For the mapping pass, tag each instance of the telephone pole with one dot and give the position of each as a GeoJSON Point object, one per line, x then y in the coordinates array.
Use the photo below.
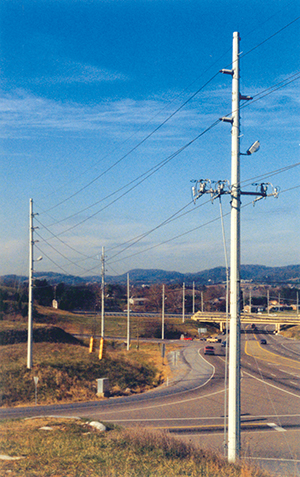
{"type": "Point", "coordinates": [216, 189]}
{"type": "Point", "coordinates": [183, 302]}
{"type": "Point", "coordinates": [102, 291]}
{"type": "Point", "coordinates": [30, 284]}
{"type": "Point", "coordinates": [163, 314]}
{"type": "Point", "coordinates": [128, 313]}
{"type": "Point", "coordinates": [234, 392]}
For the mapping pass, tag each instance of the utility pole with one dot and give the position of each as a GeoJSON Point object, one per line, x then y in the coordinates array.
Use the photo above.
{"type": "Point", "coordinates": [102, 291]}
{"type": "Point", "coordinates": [250, 300]}
{"type": "Point", "coordinates": [30, 285]}
{"type": "Point", "coordinates": [128, 313]}
{"type": "Point", "coordinates": [163, 314]}
{"type": "Point", "coordinates": [234, 397]}
{"type": "Point", "coordinates": [183, 302]}
{"type": "Point", "coordinates": [216, 189]}
{"type": "Point", "coordinates": [202, 304]}
{"type": "Point", "coordinates": [268, 301]}
{"type": "Point", "coordinates": [193, 298]}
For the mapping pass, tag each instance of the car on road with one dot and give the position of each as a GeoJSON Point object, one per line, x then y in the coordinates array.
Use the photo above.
{"type": "Point", "coordinates": [212, 340]}
{"type": "Point", "coordinates": [263, 341]}
{"type": "Point", "coordinates": [209, 350]}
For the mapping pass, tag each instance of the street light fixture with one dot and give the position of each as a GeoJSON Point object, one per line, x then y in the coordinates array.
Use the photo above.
{"type": "Point", "coordinates": [252, 149]}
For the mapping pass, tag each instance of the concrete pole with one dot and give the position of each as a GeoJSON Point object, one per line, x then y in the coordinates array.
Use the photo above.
{"type": "Point", "coordinates": [163, 314]}
{"type": "Point", "coordinates": [30, 287]}
{"type": "Point", "coordinates": [193, 298]}
{"type": "Point", "coordinates": [183, 302]}
{"type": "Point", "coordinates": [297, 304]}
{"type": "Point", "coordinates": [128, 313]}
{"type": "Point", "coordinates": [102, 292]}
{"type": "Point", "coordinates": [268, 301]}
{"type": "Point", "coordinates": [250, 301]}
{"type": "Point", "coordinates": [202, 304]}
{"type": "Point", "coordinates": [234, 414]}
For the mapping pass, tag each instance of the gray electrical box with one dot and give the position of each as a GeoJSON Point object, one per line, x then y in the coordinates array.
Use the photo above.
{"type": "Point", "coordinates": [102, 387]}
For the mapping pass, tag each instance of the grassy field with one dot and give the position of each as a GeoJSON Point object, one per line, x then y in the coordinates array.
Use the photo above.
{"type": "Point", "coordinates": [60, 447]}
{"type": "Point", "coordinates": [68, 372]}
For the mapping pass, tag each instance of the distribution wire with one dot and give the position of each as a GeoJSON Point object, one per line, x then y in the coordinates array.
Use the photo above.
{"type": "Point", "coordinates": [176, 216]}
{"type": "Point", "coordinates": [147, 174]}
{"type": "Point", "coordinates": [172, 102]}
{"type": "Point", "coordinates": [136, 146]}
{"type": "Point", "coordinates": [280, 85]}
{"type": "Point", "coordinates": [57, 251]}
{"type": "Point", "coordinates": [259, 96]}
{"type": "Point", "coordinates": [190, 231]}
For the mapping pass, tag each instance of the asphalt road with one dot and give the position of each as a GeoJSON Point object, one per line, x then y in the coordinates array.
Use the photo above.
{"type": "Point", "coordinates": [192, 406]}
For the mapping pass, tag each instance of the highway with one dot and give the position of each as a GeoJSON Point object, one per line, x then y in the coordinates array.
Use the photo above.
{"type": "Point", "coordinates": [192, 406]}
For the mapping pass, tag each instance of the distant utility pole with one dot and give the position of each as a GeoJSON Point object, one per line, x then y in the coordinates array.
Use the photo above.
{"type": "Point", "coordinates": [250, 300]}
{"type": "Point", "coordinates": [268, 301]}
{"type": "Point", "coordinates": [163, 314]}
{"type": "Point", "coordinates": [30, 294]}
{"type": "Point", "coordinates": [183, 302]}
{"type": "Point", "coordinates": [30, 284]}
{"type": "Point", "coordinates": [193, 298]}
{"type": "Point", "coordinates": [128, 313]}
{"type": "Point", "coordinates": [102, 291]}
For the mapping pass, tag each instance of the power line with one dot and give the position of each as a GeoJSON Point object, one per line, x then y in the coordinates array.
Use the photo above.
{"type": "Point", "coordinates": [136, 146]}
{"type": "Point", "coordinates": [142, 178]}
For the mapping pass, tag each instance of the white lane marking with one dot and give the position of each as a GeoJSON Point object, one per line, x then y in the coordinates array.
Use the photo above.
{"type": "Point", "coordinates": [272, 385]}
{"type": "Point", "coordinates": [272, 374]}
{"type": "Point", "coordinates": [277, 428]}
{"type": "Point", "coordinates": [272, 459]}
{"type": "Point", "coordinates": [293, 382]}
{"type": "Point", "coordinates": [142, 408]}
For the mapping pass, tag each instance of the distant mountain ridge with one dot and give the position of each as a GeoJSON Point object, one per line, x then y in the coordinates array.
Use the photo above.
{"type": "Point", "coordinates": [254, 273]}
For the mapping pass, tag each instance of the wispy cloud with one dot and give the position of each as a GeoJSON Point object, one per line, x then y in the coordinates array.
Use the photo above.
{"type": "Point", "coordinates": [70, 72]}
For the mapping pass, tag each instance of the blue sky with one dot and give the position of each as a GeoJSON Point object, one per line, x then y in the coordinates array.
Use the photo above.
{"type": "Point", "coordinates": [96, 99]}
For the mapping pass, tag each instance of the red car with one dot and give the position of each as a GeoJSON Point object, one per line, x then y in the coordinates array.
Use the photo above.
{"type": "Point", "coordinates": [209, 350]}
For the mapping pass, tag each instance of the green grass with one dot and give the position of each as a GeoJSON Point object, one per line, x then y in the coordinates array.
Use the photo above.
{"type": "Point", "coordinates": [72, 448]}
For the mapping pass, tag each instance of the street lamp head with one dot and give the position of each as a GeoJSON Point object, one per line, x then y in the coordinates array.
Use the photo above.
{"type": "Point", "coordinates": [39, 259]}
{"type": "Point", "coordinates": [254, 148]}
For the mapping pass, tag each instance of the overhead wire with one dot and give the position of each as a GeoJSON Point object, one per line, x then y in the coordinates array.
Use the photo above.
{"type": "Point", "coordinates": [190, 231]}
{"type": "Point", "coordinates": [259, 96]}
{"type": "Point", "coordinates": [136, 146]}
{"type": "Point", "coordinates": [280, 84]}
{"type": "Point", "coordinates": [146, 175]}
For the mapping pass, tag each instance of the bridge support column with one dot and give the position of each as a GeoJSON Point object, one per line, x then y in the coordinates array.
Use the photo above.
{"type": "Point", "coordinates": [222, 324]}
{"type": "Point", "coordinates": [277, 327]}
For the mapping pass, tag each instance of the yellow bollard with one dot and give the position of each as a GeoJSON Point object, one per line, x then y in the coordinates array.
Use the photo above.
{"type": "Point", "coordinates": [92, 347]}
{"type": "Point", "coordinates": [101, 348]}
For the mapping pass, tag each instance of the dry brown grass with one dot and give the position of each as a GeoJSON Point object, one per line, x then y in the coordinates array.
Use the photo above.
{"type": "Point", "coordinates": [74, 449]}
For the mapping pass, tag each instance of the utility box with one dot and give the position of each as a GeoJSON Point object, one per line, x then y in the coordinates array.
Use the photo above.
{"type": "Point", "coordinates": [102, 387]}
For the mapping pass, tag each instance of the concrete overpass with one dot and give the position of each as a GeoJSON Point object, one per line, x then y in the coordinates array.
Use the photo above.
{"type": "Point", "coordinates": [277, 320]}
